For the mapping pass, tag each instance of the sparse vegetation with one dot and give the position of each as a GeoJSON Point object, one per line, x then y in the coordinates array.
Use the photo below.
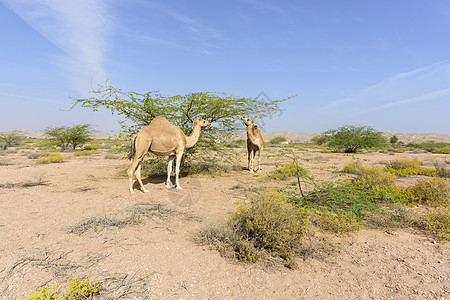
{"type": "Point", "coordinates": [77, 289]}
{"type": "Point", "coordinates": [10, 138]}
{"type": "Point", "coordinates": [50, 158]}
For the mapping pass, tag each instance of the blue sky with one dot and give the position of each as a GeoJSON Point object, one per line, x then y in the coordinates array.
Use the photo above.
{"type": "Point", "coordinates": [379, 63]}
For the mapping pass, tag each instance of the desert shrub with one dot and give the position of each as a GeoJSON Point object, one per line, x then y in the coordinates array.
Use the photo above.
{"type": "Point", "coordinates": [342, 199]}
{"type": "Point", "coordinates": [444, 150]}
{"type": "Point", "coordinates": [406, 167]}
{"type": "Point", "coordinates": [269, 222]}
{"type": "Point", "coordinates": [320, 139]}
{"type": "Point", "coordinates": [33, 155]}
{"type": "Point", "coordinates": [429, 146]}
{"type": "Point", "coordinates": [277, 140]}
{"type": "Point", "coordinates": [437, 222]}
{"type": "Point", "coordinates": [49, 158]}
{"type": "Point", "coordinates": [288, 170]}
{"type": "Point", "coordinates": [353, 168]}
{"type": "Point", "coordinates": [431, 191]}
{"type": "Point", "coordinates": [84, 152]}
{"type": "Point", "coordinates": [335, 222]}
{"type": "Point", "coordinates": [77, 289]}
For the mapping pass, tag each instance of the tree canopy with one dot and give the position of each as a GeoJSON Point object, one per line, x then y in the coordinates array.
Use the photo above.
{"type": "Point", "coordinates": [351, 138]}
{"type": "Point", "coordinates": [139, 109]}
{"type": "Point", "coordinates": [224, 111]}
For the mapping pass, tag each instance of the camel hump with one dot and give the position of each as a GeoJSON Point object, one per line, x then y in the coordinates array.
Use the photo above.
{"type": "Point", "coordinates": [159, 120]}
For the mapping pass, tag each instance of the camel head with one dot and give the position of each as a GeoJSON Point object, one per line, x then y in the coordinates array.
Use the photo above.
{"type": "Point", "coordinates": [247, 121]}
{"type": "Point", "coordinates": [201, 122]}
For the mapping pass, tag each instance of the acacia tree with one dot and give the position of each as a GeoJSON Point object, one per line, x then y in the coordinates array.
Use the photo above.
{"type": "Point", "coordinates": [222, 110]}
{"type": "Point", "coordinates": [10, 138]}
{"type": "Point", "coordinates": [351, 138]}
{"type": "Point", "coordinates": [74, 136]}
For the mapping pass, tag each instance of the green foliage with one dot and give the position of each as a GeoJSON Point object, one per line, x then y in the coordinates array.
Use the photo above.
{"type": "Point", "coordinates": [222, 110]}
{"type": "Point", "coordinates": [277, 140]}
{"type": "Point", "coordinates": [429, 146]}
{"type": "Point", "coordinates": [85, 152]}
{"type": "Point", "coordinates": [350, 138]}
{"type": "Point", "coordinates": [269, 222]}
{"type": "Point", "coordinates": [77, 289]}
{"type": "Point", "coordinates": [288, 170]}
{"type": "Point", "coordinates": [74, 136]}
{"type": "Point", "coordinates": [50, 157]}
{"type": "Point", "coordinates": [342, 200]}
{"type": "Point", "coordinates": [320, 139]}
{"type": "Point", "coordinates": [393, 140]}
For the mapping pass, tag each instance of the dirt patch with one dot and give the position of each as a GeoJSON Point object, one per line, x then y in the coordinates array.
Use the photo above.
{"type": "Point", "coordinates": [80, 219]}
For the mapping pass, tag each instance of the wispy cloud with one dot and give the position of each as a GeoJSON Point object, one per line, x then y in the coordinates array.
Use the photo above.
{"type": "Point", "coordinates": [422, 84]}
{"type": "Point", "coordinates": [78, 28]}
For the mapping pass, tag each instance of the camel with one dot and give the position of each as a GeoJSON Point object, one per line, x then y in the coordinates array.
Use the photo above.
{"type": "Point", "coordinates": [162, 139]}
{"type": "Point", "coordinates": [255, 143]}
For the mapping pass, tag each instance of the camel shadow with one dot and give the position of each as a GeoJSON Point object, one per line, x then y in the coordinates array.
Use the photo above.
{"type": "Point", "coordinates": [158, 179]}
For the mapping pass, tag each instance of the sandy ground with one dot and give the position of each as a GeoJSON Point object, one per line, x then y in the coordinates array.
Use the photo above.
{"type": "Point", "coordinates": [157, 258]}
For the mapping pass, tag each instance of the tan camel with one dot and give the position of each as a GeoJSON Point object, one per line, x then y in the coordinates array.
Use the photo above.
{"type": "Point", "coordinates": [162, 139]}
{"type": "Point", "coordinates": [255, 143]}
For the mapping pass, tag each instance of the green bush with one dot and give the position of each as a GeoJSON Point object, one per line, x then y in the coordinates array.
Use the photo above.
{"type": "Point", "coordinates": [350, 138]}
{"type": "Point", "coordinates": [277, 140]}
{"type": "Point", "coordinates": [288, 170]}
{"type": "Point", "coordinates": [269, 222]}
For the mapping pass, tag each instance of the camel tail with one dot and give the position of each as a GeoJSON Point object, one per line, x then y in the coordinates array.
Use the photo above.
{"type": "Point", "coordinates": [132, 148]}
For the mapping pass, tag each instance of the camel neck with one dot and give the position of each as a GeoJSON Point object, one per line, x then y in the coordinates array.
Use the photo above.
{"type": "Point", "coordinates": [193, 138]}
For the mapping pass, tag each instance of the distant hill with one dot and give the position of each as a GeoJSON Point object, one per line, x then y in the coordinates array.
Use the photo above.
{"type": "Point", "coordinates": [291, 136]}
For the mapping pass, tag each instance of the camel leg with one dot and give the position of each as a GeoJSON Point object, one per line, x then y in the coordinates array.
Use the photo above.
{"type": "Point", "coordinates": [259, 161]}
{"type": "Point", "coordinates": [138, 177]}
{"type": "Point", "coordinates": [252, 158]}
{"type": "Point", "coordinates": [177, 170]}
{"type": "Point", "coordinates": [135, 167]}
{"type": "Point", "coordinates": [141, 149]}
{"type": "Point", "coordinates": [169, 171]}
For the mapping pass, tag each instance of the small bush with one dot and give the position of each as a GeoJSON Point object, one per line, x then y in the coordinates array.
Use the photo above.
{"type": "Point", "coordinates": [278, 140]}
{"type": "Point", "coordinates": [334, 222]}
{"type": "Point", "coordinates": [85, 152]}
{"type": "Point", "coordinates": [445, 150]}
{"type": "Point", "coordinates": [288, 170]}
{"type": "Point", "coordinates": [406, 167]}
{"type": "Point", "coordinates": [51, 158]}
{"type": "Point", "coordinates": [77, 289]}
{"type": "Point", "coordinates": [33, 155]}
{"type": "Point", "coordinates": [269, 222]}
{"type": "Point", "coordinates": [431, 191]}
{"type": "Point", "coordinates": [437, 222]}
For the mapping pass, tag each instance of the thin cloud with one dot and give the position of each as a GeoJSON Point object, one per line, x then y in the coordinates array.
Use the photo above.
{"type": "Point", "coordinates": [78, 28]}
{"type": "Point", "coordinates": [425, 97]}
{"type": "Point", "coordinates": [427, 81]}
